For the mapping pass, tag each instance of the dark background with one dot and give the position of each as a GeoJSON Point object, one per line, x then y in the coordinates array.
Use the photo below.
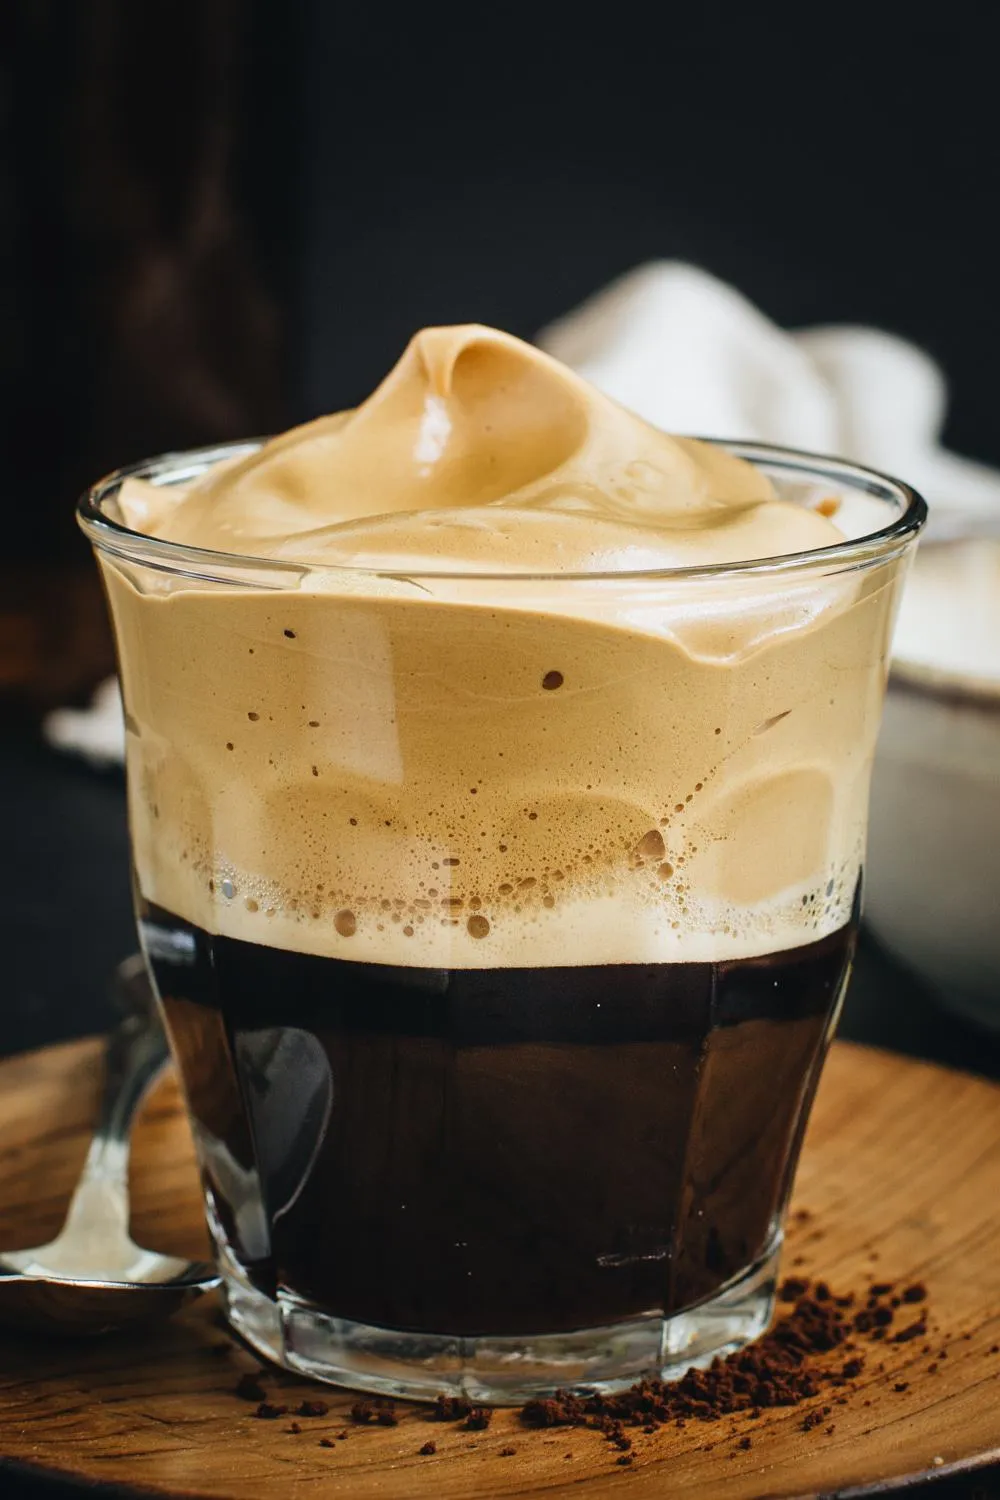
{"type": "Point", "coordinates": [217, 218]}
{"type": "Point", "coordinates": [220, 216]}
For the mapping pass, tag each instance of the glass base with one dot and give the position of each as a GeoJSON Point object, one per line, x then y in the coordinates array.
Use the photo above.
{"type": "Point", "coordinates": [499, 1371]}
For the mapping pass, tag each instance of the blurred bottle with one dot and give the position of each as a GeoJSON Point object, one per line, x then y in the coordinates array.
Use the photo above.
{"type": "Point", "coordinates": [144, 236]}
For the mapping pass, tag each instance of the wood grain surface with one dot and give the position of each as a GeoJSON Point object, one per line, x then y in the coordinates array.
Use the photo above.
{"type": "Point", "coordinates": [900, 1180]}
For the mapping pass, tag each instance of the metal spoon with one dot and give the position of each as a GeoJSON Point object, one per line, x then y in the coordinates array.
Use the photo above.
{"type": "Point", "coordinates": [93, 1277]}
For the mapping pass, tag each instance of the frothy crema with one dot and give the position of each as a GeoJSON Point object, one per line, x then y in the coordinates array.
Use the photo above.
{"type": "Point", "coordinates": [482, 768]}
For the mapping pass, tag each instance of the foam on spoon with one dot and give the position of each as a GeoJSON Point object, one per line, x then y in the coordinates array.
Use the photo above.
{"type": "Point", "coordinates": [464, 771]}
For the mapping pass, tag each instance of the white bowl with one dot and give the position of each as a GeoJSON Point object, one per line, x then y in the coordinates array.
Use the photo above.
{"type": "Point", "coordinates": [933, 873]}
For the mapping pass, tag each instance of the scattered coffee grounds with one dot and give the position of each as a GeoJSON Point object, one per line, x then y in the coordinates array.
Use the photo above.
{"type": "Point", "coordinates": [270, 1412]}
{"type": "Point", "coordinates": [381, 1411]}
{"type": "Point", "coordinates": [313, 1409]}
{"type": "Point", "coordinates": [783, 1368]}
{"type": "Point", "coordinates": [450, 1409]}
{"type": "Point", "coordinates": [913, 1331]}
{"type": "Point", "coordinates": [249, 1388]}
{"type": "Point", "coordinates": [560, 1410]}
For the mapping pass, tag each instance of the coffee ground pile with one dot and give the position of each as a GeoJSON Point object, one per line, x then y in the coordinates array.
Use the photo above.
{"type": "Point", "coordinates": [788, 1365]}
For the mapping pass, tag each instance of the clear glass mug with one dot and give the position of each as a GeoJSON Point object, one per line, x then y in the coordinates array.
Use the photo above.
{"type": "Point", "coordinates": [500, 926]}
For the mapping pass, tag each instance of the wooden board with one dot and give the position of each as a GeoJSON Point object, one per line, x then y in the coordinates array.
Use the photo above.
{"type": "Point", "coordinates": [900, 1177]}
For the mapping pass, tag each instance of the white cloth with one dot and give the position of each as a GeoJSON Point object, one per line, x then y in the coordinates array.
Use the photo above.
{"type": "Point", "coordinates": [692, 355]}
{"type": "Point", "coordinates": [97, 733]}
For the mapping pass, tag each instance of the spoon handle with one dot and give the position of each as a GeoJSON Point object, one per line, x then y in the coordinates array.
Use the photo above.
{"type": "Point", "coordinates": [136, 1051]}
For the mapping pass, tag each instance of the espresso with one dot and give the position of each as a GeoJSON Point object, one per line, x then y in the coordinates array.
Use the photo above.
{"type": "Point", "coordinates": [503, 1151]}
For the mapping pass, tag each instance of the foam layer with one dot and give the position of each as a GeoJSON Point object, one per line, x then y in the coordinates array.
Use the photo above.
{"type": "Point", "coordinates": [463, 772]}
{"type": "Point", "coordinates": [479, 450]}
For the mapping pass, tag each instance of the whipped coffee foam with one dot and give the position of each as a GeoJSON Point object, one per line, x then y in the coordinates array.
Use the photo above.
{"type": "Point", "coordinates": [479, 771]}
{"type": "Point", "coordinates": [478, 450]}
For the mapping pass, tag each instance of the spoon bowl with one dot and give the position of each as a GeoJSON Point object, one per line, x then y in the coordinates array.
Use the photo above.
{"type": "Point", "coordinates": [78, 1305]}
{"type": "Point", "coordinates": [93, 1277]}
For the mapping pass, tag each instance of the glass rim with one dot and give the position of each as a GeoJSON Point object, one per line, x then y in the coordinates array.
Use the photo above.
{"type": "Point", "coordinates": [111, 536]}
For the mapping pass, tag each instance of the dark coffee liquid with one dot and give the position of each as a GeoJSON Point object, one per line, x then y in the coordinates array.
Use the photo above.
{"type": "Point", "coordinates": [504, 1151]}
